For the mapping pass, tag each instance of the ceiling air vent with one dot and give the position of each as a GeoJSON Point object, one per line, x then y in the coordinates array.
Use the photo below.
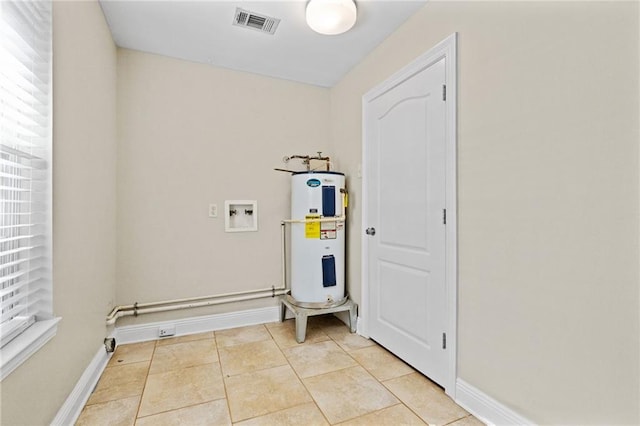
{"type": "Point", "coordinates": [255, 21]}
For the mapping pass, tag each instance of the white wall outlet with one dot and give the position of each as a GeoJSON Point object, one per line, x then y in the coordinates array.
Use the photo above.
{"type": "Point", "coordinates": [213, 210]}
{"type": "Point", "coordinates": [167, 330]}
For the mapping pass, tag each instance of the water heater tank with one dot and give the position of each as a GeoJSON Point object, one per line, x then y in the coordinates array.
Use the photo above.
{"type": "Point", "coordinates": [317, 248]}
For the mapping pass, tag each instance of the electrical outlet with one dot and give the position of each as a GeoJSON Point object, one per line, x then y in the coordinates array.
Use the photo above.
{"type": "Point", "coordinates": [213, 210]}
{"type": "Point", "coordinates": [167, 330]}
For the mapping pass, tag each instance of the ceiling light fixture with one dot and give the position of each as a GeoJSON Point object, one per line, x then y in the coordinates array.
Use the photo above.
{"type": "Point", "coordinates": [331, 17]}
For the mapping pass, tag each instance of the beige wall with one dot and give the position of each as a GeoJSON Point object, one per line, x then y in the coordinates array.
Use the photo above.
{"type": "Point", "coordinates": [84, 194]}
{"type": "Point", "coordinates": [548, 198]}
{"type": "Point", "coordinates": [190, 135]}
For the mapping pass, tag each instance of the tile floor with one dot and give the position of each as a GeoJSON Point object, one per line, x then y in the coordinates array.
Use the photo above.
{"type": "Point", "coordinates": [259, 375]}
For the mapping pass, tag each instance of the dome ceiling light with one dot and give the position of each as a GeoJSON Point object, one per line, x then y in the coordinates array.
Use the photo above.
{"type": "Point", "coordinates": [331, 17]}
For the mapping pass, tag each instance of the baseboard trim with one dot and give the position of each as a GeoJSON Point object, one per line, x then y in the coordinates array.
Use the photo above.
{"type": "Point", "coordinates": [72, 407]}
{"type": "Point", "coordinates": [485, 408]}
{"type": "Point", "coordinates": [149, 331]}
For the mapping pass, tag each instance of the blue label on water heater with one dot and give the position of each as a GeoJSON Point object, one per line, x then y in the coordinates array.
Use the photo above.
{"type": "Point", "coordinates": [313, 183]}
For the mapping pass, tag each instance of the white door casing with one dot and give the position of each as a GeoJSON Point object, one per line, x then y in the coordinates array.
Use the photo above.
{"type": "Point", "coordinates": [409, 265]}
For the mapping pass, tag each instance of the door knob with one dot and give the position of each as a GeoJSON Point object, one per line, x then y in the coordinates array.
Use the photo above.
{"type": "Point", "coordinates": [370, 231]}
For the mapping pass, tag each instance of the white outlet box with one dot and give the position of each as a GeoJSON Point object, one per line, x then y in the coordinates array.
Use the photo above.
{"type": "Point", "coordinates": [240, 215]}
{"type": "Point", "coordinates": [166, 331]}
{"type": "Point", "coordinates": [213, 210]}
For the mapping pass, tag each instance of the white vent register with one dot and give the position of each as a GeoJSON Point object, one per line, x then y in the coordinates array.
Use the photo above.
{"type": "Point", "coordinates": [255, 21]}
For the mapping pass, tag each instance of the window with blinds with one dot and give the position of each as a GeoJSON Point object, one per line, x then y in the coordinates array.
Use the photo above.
{"type": "Point", "coordinates": [25, 166]}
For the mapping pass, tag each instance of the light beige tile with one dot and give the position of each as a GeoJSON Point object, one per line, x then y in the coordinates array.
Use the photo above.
{"type": "Point", "coordinates": [349, 393]}
{"type": "Point", "coordinates": [467, 421]}
{"type": "Point", "coordinates": [305, 414]}
{"type": "Point", "coordinates": [181, 388]}
{"type": "Point", "coordinates": [135, 352]}
{"type": "Point", "coordinates": [182, 339]}
{"type": "Point", "coordinates": [240, 335]}
{"type": "Point", "coordinates": [120, 391]}
{"type": "Point", "coordinates": [425, 399]}
{"type": "Point", "coordinates": [263, 392]}
{"type": "Point", "coordinates": [115, 375]}
{"type": "Point", "coordinates": [120, 412]}
{"type": "Point", "coordinates": [351, 341]}
{"type": "Point", "coordinates": [278, 324]}
{"type": "Point", "coordinates": [392, 416]}
{"type": "Point", "coordinates": [249, 357]}
{"type": "Point", "coordinates": [318, 358]}
{"type": "Point", "coordinates": [210, 413]}
{"type": "Point", "coordinates": [285, 335]}
{"type": "Point", "coordinates": [120, 381]}
{"type": "Point", "coordinates": [335, 327]}
{"type": "Point", "coordinates": [381, 363]}
{"type": "Point", "coordinates": [182, 355]}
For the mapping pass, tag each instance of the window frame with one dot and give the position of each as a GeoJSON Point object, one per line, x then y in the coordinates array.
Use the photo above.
{"type": "Point", "coordinates": [39, 325]}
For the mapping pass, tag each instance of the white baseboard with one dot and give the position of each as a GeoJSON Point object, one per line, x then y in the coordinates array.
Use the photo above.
{"type": "Point", "coordinates": [70, 410]}
{"type": "Point", "coordinates": [485, 408]}
{"type": "Point", "coordinates": [146, 332]}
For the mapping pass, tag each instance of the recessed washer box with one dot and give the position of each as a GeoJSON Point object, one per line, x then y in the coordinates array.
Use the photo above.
{"type": "Point", "coordinates": [240, 215]}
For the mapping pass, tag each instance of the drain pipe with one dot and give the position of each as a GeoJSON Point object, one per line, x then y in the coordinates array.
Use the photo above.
{"type": "Point", "coordinates": [172, 306]}
{"type": "Point", "coordinates": [196, 302]}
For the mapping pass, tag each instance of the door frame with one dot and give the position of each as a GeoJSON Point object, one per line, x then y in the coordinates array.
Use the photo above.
{"type": "Point", "coordinates": [446, 49]}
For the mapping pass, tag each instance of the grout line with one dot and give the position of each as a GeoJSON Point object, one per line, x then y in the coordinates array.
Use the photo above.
{"type": "Point", "coordinates": [380, 410]}
{"type": "Point", "coordinates": [224, 382]}
{"type": "Point", "coordinates": [401, 400]}
{"type": "Point", "coordinates": [397, 377]}
{"type": "Point", "coordinates": [180, 408]}
{"type": "Point", "coordinates": [96, 387]}
{"type": "Point", "coordinates": [146, 378]}
{"type": "Point", "coordinates": [306, 388]}
{"type": "Point", "coordinates": [457, 420]}
{"type": "Point", "coordinates": [278, 411]}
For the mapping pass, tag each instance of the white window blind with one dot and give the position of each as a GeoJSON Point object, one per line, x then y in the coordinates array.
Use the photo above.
{"type": "Point", "coordinates": [25, 166]}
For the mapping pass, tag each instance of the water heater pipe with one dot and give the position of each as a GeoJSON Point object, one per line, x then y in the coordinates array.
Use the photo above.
{"type": "Point", "coordinates": [306, 160]}
{"type": "Point", "coordinates": [324, 219]}
{"type": "Point", "coordinates": [195, 302]}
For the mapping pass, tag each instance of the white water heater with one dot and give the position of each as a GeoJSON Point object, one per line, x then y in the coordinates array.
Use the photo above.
{"type": "Point", "coordinates": [317, 238]}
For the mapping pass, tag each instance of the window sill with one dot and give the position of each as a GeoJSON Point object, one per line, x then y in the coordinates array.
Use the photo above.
{"type": "Point", "coordinates": [26, 344]}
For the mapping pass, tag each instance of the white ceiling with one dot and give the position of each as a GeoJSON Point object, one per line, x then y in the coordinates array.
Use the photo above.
{"type": "Point", "coordinates": [202, 31]}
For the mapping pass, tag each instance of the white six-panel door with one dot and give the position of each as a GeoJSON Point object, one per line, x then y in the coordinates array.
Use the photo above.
{"type": "Point", "coordinates": [405, 170]}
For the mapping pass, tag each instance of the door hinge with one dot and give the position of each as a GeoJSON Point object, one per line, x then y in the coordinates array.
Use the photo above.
{"type": "Point", "coordinates": [444, 216]}
{"type": "Point", "coordinates": [444, 92]}
{"type": "Point", "coordinates": [444, 340]}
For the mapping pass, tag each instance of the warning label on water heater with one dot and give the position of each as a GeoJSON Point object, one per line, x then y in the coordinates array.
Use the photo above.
{"type": "Point", "coordinates": [328, 231]}
{"type": "Point", "coordinates": [312, 229]}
